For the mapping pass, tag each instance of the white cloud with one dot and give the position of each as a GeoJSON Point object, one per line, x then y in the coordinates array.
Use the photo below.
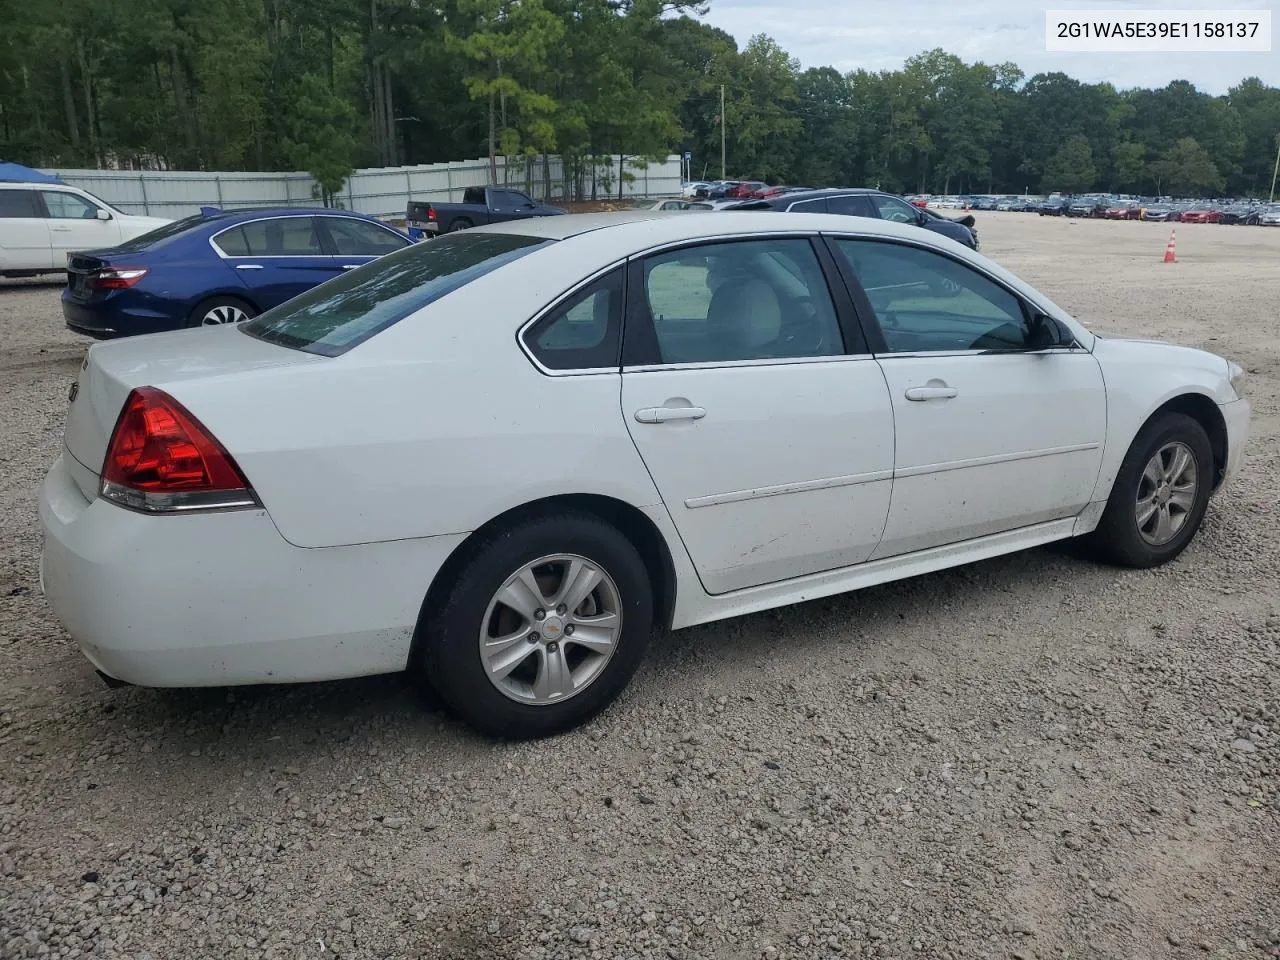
{"type": "Point", "coordinates": [881, 34]}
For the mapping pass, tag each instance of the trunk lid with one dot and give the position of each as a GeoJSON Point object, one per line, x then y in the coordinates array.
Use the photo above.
{"type": "Point", "coordinates": [81, 268]}
{"type": "Point", "coordinates": [111, 370]}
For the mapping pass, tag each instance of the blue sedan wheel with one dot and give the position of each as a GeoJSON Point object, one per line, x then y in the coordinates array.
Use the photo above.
{"type": "Point", "coordinates": [220, 310]}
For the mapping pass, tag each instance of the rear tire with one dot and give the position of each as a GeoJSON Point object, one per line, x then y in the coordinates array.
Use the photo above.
{"type": "Point", "coordinates": [462, 223]}
{"type": "Point", "coordinates": [217, 311]}
{"type": "Point", "coordinates": [1160, 494]}
{"type": "Point", "coordinates": [522, 675]}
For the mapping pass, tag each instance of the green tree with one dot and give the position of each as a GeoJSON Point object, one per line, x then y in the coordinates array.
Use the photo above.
{"type": "Point", "coordinates": [320, 137]}
{"type": "Point", "coordinates": [1071, 169]}
{"type": "Point", "coordinates": [1187, 169]}
{"type": "Point", "coordinates": [1128, 165]}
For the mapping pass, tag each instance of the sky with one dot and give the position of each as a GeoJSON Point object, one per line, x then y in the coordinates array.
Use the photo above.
{"type": "Point", "coordinates": [881, 34]}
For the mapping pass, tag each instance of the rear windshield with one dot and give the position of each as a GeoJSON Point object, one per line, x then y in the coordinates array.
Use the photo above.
{"type": "Point", "coordinates": [147, 240]}
{"type": "Point", "coordinates": [334, 317]}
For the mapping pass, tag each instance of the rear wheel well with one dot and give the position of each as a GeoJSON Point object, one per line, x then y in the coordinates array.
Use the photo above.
{"type": "Point", "coordinates": [628, 520]}
{"type": "Point", "coordinates": [1205, 412]}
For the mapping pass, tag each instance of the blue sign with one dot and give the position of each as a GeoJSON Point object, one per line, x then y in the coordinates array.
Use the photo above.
{"type": "Point", "coordinates": [688, 155]}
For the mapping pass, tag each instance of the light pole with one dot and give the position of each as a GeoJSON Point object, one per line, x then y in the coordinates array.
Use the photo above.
{"type": "Point", "coordinates": [723, 124]}
{"type": "Point", "coordinates": [1275, 171]}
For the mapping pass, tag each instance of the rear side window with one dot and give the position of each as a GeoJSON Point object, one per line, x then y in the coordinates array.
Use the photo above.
{"type": "Point", "coordinates": [334, 317]}
{"type": "Point", "coordinates": [818, 205]}
{"type": "Point", "coordinates": [18, 205]}
{"type": "Point", "coordinates": [277, 237]}
{"type": "Point", "coordinates": [583, 332]}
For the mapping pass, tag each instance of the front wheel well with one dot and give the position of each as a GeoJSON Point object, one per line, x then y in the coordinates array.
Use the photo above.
{"type": "Point", "coordinates": [1205, 412]}
{"type": "Point", "coordinates": [629, 520]}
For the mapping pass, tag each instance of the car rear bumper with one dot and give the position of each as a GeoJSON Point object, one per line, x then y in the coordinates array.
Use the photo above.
{"type": "Point", "coordinates": [110, 318]}
{"type": "Point", "coordinates": [211, 599]}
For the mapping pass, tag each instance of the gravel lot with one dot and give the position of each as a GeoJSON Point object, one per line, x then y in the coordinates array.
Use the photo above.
{"type": "Point", "coordinates": [1034, 757]}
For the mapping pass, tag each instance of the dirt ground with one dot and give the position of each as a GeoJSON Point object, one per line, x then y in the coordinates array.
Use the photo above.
{"type": "Point", "coordinates": [1034, 757]}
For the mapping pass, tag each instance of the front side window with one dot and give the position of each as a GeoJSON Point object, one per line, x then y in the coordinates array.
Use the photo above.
{"type": "Point", "coordinates": [511, 199]}
{"type": "Point", "coordinates": [18, 205]}
{"type": "Point", "coordinates": [359, 238]}
{"type": "Point", "coordinates": [926, 302]}
{"type": "Point", "coordinates": [894, 210]}
{"type": "Point", "coordinates": [584, 332]}
{"type": "Point", "coordinates": [68, 206]}
{"type": "Point", "coordinates": [334, 317]}
{"type": "Point", "coordinates": [726, 302]}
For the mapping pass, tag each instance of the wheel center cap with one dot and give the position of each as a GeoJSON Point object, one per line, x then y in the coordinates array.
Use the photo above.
{"type": "Point", "coordinates": [553, 628]}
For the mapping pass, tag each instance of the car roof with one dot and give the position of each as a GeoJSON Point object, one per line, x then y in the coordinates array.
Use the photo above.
{"type": "Point", "coordinates": [250, 213]}
{"type": "Point", "coordinates": [635, 230]}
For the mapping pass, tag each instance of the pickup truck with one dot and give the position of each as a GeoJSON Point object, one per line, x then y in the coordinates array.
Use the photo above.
{"type": "Point", "coordinates": [479, 205]}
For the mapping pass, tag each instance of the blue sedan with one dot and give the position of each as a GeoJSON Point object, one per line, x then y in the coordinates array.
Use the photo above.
{"type": "Point", "coordinates": [216, 267]}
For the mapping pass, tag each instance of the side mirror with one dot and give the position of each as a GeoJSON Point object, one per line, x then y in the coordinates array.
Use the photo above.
{"type": "Point", "coordinates": [103, 214]}
{"type": "Point", "coordinates": [1045, 333]}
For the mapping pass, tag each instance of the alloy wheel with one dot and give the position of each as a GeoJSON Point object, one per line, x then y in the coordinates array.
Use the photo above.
{"type": "Point", "coordinates": [223, 313]}
{"type": "Point", "coordinates": [1166, 493]}
{"type": "Point", "coordinates": [550, 629]}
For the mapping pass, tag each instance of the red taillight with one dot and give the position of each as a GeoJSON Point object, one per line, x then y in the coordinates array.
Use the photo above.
{"type": "Point", "coordinates": [161, 459]}
{"type": "Point", "coordinates": [431, 213]}
{"type": "Point", "coordinates": [118, 278]}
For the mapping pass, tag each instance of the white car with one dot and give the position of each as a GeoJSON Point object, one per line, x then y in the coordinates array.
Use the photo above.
{"type": "Point", "coordinates": [40, 223]}
{"type": "Point", "coordinates": [499, 459]}
{"type": "Point", "coordinates": [668, 205]}
{"type": "Point", "coordinates": [690, 190]}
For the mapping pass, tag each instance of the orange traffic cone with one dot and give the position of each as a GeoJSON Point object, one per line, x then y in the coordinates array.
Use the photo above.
{"type": "Point", "coordinates": [1170, 254]}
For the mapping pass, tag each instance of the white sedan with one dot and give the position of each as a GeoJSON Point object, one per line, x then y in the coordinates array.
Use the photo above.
{"type": "Point", "coordinates": [499, 459]}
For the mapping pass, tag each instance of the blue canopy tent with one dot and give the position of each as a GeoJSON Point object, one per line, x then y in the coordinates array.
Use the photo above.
{"type": "Point", "coordinates": [16, 171]}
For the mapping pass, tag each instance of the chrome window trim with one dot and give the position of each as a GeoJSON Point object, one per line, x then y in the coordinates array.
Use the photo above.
{"type": "Point", "coordinates": [765, 362]}
{"type": "Point", "coordinates": [293, 256]}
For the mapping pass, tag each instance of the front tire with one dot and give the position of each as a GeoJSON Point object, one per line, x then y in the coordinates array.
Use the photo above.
{"type": "Point", "coordinates": [1160, 494]}
{"type": "Point", "coordinates": [542, 627]}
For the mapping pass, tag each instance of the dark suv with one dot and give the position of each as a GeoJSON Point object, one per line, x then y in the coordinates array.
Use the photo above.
{"type": "Point", "coordinates": [862, 202]}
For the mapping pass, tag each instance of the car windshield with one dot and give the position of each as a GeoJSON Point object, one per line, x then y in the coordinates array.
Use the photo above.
{"type": "Point", "coordinates": [334, 317]}
{"type": "Point", "coordinates": [145, 241]}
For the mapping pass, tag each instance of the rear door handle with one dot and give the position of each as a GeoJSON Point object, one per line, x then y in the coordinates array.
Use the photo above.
{"type": "Point", "coordinates": [666, 414]}
{"type": "Point", "coordinates": [248, 266]}
{"type": "Point", "coordinates": [60, 229]}
{"type": "Point", "coordinates": [932, 393]}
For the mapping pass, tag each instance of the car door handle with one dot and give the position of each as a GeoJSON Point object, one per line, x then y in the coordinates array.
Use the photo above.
{"type": "Point", "coordinates": [248, 266]}
{"type": "Point", "coordinates": [932, 392]}
{"type": "Point", "coordinates": [666, 414]}
{"type": "Point", "coordinates": [350, 266]}
{"type": "Point", "coordinates": [60, 229]}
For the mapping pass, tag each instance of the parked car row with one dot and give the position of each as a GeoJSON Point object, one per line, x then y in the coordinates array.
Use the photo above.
{"type": "Point", "coordinates": [1117, 207]}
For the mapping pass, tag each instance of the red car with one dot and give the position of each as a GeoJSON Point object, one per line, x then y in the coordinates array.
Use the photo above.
{"type": "Point", "coordinates": [746, 189]}
{"type": "Point", "coordinates": [1201, 215]}
{"type": "Point", "coordinates": [1122, 211]}
{"type": "Point", "coordinates": [921, 202]}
